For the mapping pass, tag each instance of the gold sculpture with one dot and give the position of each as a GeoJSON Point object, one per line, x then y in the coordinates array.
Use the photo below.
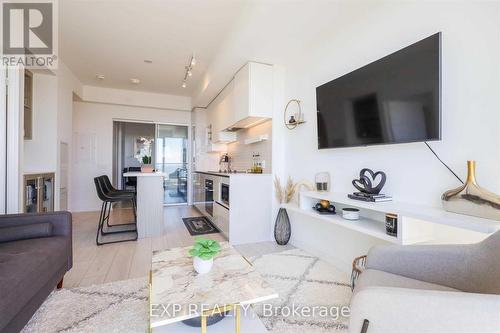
{"type": "Point", "coordinates": [470, 199]}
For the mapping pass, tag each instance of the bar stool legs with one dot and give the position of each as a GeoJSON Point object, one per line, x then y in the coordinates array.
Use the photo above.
{"type": "Point", "coordinates": [108, 197]}
{"type": "Point", "coordinates": [134, 210]}
{"type": "Point", "coordinates": [104, 216]}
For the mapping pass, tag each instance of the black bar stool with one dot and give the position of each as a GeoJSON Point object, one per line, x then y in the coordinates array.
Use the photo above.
{"type": "Point", "coordinates": [110, 190]}
{"type": "Point", "coordinates": [108, 199]}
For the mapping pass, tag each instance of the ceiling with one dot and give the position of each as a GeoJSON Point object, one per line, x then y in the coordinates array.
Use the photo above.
{"type": "Point", "coordinates": [113, 38]}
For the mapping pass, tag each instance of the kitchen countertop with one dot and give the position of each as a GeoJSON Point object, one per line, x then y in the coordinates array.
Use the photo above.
{"type": "Point", "coordinates": [144, 174]}
{"type": "Point", "coordinates": [225, 174]}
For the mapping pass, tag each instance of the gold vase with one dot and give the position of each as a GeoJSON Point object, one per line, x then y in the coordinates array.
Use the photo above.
{"type": "Point", "coordinates": [470, 199]}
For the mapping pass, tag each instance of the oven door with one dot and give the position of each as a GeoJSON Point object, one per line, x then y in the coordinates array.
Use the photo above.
{"type": "Point", "coordinates": [209, 197]}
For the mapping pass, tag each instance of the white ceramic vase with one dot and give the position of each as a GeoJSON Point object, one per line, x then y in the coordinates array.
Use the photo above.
{"type": "Point", "coordinates": [202, 266]}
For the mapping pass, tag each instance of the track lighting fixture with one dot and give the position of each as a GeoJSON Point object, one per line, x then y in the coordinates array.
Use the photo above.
{"type": "Point", "coordinates": [189, 71]}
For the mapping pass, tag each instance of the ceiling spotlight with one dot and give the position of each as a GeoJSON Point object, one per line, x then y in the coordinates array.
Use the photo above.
{"type": "Point", "coordinates": [184, 85]}
{"type": "Point", "coordinates": [99, 76]}
{"type": "Point", "coordinates": [193, 61]}
{"type": "Point", "coordinates": [135, 81]}
{"type": "Point", "coordinates": [190, 73]}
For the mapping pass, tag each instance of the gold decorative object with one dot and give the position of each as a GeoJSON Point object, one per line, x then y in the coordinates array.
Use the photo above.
{"type": "Point", "coordinates": [295, 119]}
{"type": "Point", "coordinates": [325, 203]}
{"type": "Point", "coordinates": [470, 199]}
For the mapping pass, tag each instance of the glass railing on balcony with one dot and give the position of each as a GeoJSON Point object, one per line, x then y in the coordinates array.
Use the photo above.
{"type": "Point", "coordinates": [175, 183]}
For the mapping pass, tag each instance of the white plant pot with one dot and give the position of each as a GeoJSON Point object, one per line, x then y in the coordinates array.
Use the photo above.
{"type": "Point", "coordinates": [147, 168]}
{"type": "Point", "coordinates": [202, 266]}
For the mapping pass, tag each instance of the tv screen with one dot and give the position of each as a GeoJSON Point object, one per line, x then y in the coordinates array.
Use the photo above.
{"type": "Point", "coordinates": [395, 99]}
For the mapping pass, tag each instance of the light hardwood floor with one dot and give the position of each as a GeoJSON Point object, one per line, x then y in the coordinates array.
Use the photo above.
{"type": "Point", "coordinates": [94, 264]}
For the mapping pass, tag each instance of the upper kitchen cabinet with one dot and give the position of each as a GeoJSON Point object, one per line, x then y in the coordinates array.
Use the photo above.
{"type": "Point", "coordinates": [221, 115]}
{"type": "Point", "coordinates": [252, 97]}
{"type": "Point", "coordinates": [245, 101]}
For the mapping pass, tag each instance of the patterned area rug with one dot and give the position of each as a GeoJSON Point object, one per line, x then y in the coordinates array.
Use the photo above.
{"type": "Point", "coordinates": [304, 281]}
{"type": "Point", "coordinates": [299, 278]}
{"type": "Point", "coordinates": [112, 307]}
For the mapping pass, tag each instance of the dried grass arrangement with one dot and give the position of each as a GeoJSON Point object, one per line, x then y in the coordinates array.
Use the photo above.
{"type": "Point", "coordinates": [284, 194]}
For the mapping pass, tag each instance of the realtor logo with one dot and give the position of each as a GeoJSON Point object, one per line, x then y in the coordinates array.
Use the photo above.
{"type": "Point", "coordinates": [28, 33]}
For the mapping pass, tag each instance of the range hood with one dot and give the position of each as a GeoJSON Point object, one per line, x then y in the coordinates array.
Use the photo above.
{"type": "Point", "coordinates": [224, 137]}
{"type": "Point", "coordinates": [247, 122]}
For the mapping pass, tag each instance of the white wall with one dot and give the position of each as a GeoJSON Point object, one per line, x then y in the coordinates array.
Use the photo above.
{"type": "Point", "coordinates": [470, 89]}
{"type": "Point", "coordinates": [242, 154]}
{"type": "Point", "coordinates": [52, 124]}
{"type": "Point", "coordinates": [93, 122]}
{"type": "Point", "coordinates": [470, 109]}
{"type": "Point", "coordinates": [40, 153]}
{"type": "Point", "coordinates": [136, 98]}
{"type": "Point", "coordinates": [332, 38]}
{"type": "Point", "coordinates": [203, 161]}
{"type": "Point", "coordinates": [315, 43]}
{"type": "Point", "coordinates": [67, 86]}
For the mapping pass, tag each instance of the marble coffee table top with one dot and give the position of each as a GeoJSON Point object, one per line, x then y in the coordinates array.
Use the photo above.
{"type": "Point", "coordinates": [179, 293]}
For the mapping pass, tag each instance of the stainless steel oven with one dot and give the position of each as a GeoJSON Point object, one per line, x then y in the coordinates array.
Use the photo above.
{"type": "Point", "coordinates": [224, 193]}
{"type": "Point", "coordinates": [209, 196]}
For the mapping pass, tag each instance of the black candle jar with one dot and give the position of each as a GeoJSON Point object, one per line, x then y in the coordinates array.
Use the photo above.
{"type": "Point", "coordinates": [391, 224]}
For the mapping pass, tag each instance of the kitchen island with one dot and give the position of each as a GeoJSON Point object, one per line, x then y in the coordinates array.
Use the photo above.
{"type": "Point", "coordinates": [149, 203]}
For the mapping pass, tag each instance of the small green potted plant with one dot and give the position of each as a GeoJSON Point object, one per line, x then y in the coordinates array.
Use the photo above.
{"type": "Point", "coordinates": [203, 253]}
{"type": "Point", "coordinates": [146, 164]}
{"type": "Point", "coordinates": [144, 148]}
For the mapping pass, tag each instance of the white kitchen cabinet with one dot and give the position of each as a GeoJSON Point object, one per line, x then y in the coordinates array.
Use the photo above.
{"type": "Point", "coordinates": [250, 210]}
{"type": "Point", "coordinates": [221, 115]}
{"type": "Point", "coordinates": [224, 137]}
{"type": "Point", "coordinates": [223, 104]}
{"type": "Point", "coordinates": [252, 95]}
{"type": "Point", "coordinates": [248, 218]}
{"type": "Point", "coordinates": [215, 147]}
{"type": "Point", "coordinates": [246, 100]}
{"type": "Point", "coordinates": [221, 219]}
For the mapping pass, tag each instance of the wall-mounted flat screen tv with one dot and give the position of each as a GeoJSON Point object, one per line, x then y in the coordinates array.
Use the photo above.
{"type": "Point", "coordinates": [396, 99]}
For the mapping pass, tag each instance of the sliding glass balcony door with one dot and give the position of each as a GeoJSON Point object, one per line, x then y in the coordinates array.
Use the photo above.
{"type": "Point", "coordinates": [171, 158]}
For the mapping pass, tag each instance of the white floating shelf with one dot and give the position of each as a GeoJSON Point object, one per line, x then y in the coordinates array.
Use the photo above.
{"type": "Point", "coordinates": [257, 139]}
{"type": "Point", "coordinates": [364, 225]}
{"type": "Point", "coordinates": [419, 212]}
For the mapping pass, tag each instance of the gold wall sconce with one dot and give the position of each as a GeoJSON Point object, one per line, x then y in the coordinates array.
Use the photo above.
{"type": "Point", "coordinates": [294, 118]}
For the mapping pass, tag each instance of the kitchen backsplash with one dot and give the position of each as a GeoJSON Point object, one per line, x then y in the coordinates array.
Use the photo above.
{"type": "Point", "coordinates": [241, 153]}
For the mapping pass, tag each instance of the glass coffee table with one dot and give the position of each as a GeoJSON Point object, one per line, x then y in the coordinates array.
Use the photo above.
{"type": "Point", "coordinates": [178, 293]}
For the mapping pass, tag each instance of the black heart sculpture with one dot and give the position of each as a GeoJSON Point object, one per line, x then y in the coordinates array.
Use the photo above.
{"type": "Point", "coordinates": [366, 180]}
{"type": "Point", "coordinates": [362, 184]}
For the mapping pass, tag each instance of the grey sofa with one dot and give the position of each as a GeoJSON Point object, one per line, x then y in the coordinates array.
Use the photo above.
{"type": "Point", "coordinates": [35, 253]}
{"type": "Point", "coordinates": [429, 288]}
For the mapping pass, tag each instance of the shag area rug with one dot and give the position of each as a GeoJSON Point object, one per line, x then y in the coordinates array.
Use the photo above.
{"type": "Point", "coordinates": [299, 278]}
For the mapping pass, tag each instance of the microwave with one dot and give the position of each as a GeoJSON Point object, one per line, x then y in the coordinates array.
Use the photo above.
{"type": "Point", "coordinates": [224, 194]}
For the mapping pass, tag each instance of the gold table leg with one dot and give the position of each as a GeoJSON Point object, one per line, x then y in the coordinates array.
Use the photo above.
{"type": "Point", "coordinates": [237, 311]}
{"type": "Point", "coordinates": [203, 323]}
{"type": "Point", "coordinates": [237, 316]}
